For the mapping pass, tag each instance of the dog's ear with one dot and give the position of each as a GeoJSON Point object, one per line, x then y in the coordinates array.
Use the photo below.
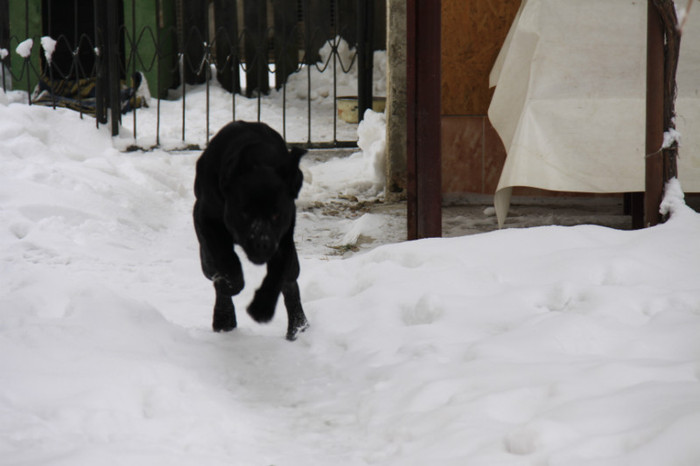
{"type": "Point", "coordinates": [297, 153]}
{"type": "Point", "coordinates": [295, 177]}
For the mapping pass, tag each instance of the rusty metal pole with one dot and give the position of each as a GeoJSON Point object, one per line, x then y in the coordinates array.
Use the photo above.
{"type": "Point", "coordinates": [654, 166]}
{"type": "Point", "coordinates": [423, 164]}
{"type": "Point", "coordinates": [365, 56]}
{"type": "Point", "coordinates": [112, 49]}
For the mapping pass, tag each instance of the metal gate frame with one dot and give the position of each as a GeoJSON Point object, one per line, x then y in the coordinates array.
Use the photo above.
{"type": "Point", "coordinates": [116, 52]}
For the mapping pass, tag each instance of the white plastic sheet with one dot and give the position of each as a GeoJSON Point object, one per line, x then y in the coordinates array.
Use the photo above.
{"type": "Point", "coordinates": [569, 103]}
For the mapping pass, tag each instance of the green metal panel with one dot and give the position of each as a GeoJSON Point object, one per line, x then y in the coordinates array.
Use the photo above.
{"type": "Point", "coordinates": [150, 43]}
{"type": "Point", "coordinates": [25, 23]}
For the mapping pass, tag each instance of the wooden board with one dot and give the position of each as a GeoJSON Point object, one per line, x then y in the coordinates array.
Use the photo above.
{"type": "Point", "coordinates": [472, 34]}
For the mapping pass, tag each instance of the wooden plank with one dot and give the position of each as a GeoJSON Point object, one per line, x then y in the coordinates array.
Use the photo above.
{"type": "Point", "coordinates": [473, 32]}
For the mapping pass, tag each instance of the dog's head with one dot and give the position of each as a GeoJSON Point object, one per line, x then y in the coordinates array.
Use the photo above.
{"type": "Point", "coordinates": [259, 196]}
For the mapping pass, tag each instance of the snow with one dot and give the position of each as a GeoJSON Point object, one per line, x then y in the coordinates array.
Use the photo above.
{"type": "Point", "coordinates": [49, 45]}
{"type": "Point", "coordinates": [671, 136]}
{"type": "Point", "coordinates": [371, 140]}
{"type": "Point", "coordinates": [361, 175]}
{"type": "Point", "coordinates": [548, 345]}
{"type": "Point", "coordinates": [24, 48]}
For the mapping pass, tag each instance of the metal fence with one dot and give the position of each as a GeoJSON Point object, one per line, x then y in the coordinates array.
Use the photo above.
{"type": "Point", "coordinates": [285, 62]}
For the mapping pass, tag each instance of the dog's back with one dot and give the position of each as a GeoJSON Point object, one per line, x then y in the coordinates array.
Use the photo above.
{"type": "Point", "coordinates": [236, 144]}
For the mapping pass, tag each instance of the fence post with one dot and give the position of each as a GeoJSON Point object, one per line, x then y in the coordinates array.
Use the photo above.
{"type": "Point", "coordinates": [424, 188]}
{"type": "Point", "coordinates": [654, 179]}
{"type": "Point", "coordinates": [365, 55]}
{"type": "Point", "coordinates": [112, 49]}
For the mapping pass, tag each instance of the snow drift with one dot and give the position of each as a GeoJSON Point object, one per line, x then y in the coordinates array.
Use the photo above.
{"type": "Point", "coordinates": [550, 345]}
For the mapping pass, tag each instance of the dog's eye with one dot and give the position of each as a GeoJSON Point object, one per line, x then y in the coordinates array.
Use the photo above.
{"type": "Point", "coordinates": [275, 217]}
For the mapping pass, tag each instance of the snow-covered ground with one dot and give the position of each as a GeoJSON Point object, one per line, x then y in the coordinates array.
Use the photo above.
{"type": "Point", "coordinates": [536, 346]}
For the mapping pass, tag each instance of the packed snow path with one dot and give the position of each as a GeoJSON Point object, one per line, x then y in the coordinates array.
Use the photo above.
{"type": "Point", "coordinates": [550, 345]}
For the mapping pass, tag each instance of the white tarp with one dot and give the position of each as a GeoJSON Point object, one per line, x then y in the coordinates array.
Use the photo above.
{"type": "Point", "coordinates": [569, 103]}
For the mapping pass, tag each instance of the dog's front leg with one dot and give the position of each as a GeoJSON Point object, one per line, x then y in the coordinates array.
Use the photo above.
{"type": "Point", "coordinates": [296, 319]}
{"type": "Point", "coordinates": [221, 265]}
{"type": "Point", "coordinates": [224, 319]}
{"type": "Point", "coordinates": [262, 308]}
{"type": "Point", "coordinates": [282, 274]}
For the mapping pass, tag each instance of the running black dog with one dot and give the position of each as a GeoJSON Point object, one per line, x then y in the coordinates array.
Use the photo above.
{"type": "Point", "coordinates": [245, 185]}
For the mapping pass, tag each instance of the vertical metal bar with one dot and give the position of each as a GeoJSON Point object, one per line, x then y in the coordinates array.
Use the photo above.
{"type": "Point", "coordinates": [361, 51]}
{"type": "Point", "coordinates": [184, 90]}
{"type": "Point", "coordinates": [335, 90]}
{"type": "Point", "coordinates": [411, 176]}
{"type": "Point", "coordinates": [259, 101]}
{"type": "Point", "coordinates": [96, 50]}
{"type": "Point", "coordinates": [284, 110]}
{"type": "Point", "coordinates": [102, 60]}
{"type": "Point", "coordinates": [234, 69]}
{"type": "Point", "coordinates": [159, 13]}
{"type": "Point", "coordinates": [306, 12]}
{"type": "Point", "coordinates": [48, 64]}
{"type": "Point", "coordinates": [308, 101]}
{"type": "Point", "coordinates": [423, 115]}
{"type": "Point", "coordinates": [654, 178]}
{"type": "Point", "coordinates": [207, 64]}
{"type": "Point", "coordinates": [207, 71]}
{"type": "Point", "coordinates": [75, 25]}
{"type": "Point", "coordinates": [183, 83]}
{"type": "Point", "coordinates": [113, 70]}
{"type": "Point", "coordinates": [261, 52]}
{"type": "Point", "coordinates": [335, 72]}
{"type": "Point", "coordinates": [134, 53]}
{"type": "Point", "coordinates": [284, 75]}
{"type": "Point", "coordinates": [76, 55]}
{"type": "Point", "coordinates": [27, 63]}
{"type": "Point", "coordinates": [365, 55]}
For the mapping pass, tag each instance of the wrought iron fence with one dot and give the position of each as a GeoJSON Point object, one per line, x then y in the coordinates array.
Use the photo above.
{"type": "Point", "coordinates": [285, 62]}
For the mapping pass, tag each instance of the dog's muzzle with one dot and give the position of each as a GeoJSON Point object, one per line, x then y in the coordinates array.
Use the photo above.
{"type": "Point", "coordinates": [261, 243]}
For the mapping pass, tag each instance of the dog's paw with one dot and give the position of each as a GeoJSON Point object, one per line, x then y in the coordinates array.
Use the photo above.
{"type": "Point", "coordinates": [293, 330]}
{"type": "Point", "coordinates": [224, 319]}
{"type": "Point", "coordinates": [262, 308]}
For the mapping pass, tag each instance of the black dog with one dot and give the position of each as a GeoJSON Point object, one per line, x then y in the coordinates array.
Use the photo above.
{"type": "Point", "coordinates": [245, 185]}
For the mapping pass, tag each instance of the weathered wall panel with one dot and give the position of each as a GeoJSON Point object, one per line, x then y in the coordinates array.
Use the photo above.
{"type": "Point", "coordinates": [472, 34]}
